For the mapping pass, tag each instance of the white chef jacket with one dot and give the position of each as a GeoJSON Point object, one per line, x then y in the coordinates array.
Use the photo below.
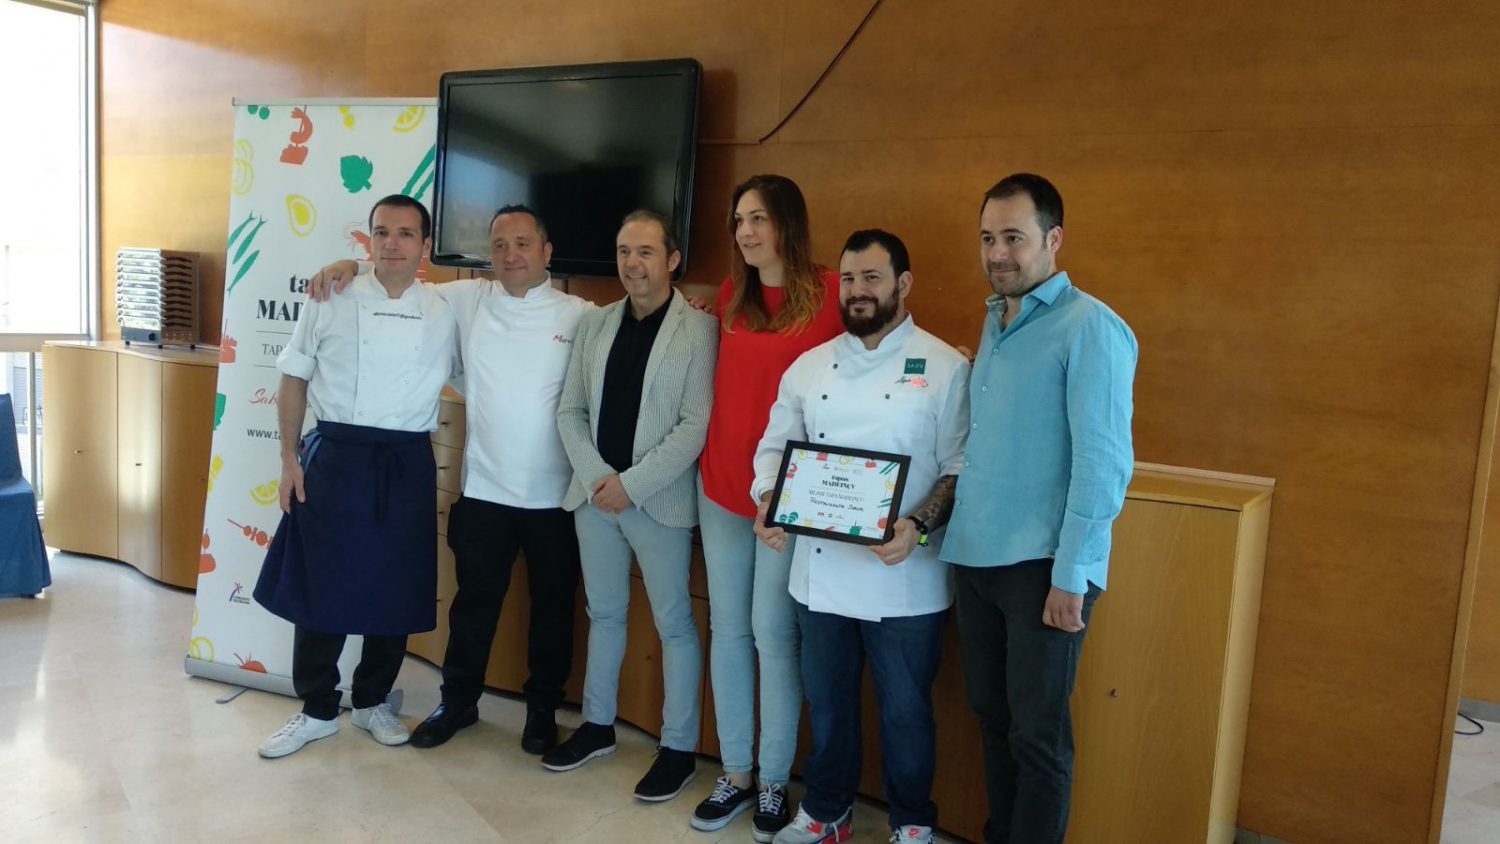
{"type": "Point", "coordinates": [372, 360]}
{"type": "Point", "coordinates": [515, 352]}
{"type": "Point", "coordinates": [910, 395]}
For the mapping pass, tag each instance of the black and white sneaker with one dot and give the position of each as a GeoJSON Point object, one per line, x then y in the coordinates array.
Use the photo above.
{"type": "Point", "coordinates": [772, 813]}
{"type": "Point", "coordinates": [590, 740]}
{"type": "Point", "coordinates": [669, 775]}
{"type": "Point", "coordinates": [721, 807]}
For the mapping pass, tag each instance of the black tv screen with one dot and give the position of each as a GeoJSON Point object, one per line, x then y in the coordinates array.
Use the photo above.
{"type": "Point", "coordinates": [582, 144]}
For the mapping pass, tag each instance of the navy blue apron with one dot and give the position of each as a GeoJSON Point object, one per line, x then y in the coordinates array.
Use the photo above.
{"type": "Point", "coordinates": [360, 555]}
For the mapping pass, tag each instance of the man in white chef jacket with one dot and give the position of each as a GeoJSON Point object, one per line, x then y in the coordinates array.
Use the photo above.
{"type": "Point", "coordinates": [356, 551]}
{"type": "Point", "coordinates": [516, 334]}
{"type": "Point", "coordinates": [884, 385]}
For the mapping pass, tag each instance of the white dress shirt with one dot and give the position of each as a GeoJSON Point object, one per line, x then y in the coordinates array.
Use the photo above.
{"type": "Point", "coordinates": [372, 360]}
{"type": "Point", "coordinates": [907, 396]}
{"type": "Point", "coordinates": [515, 351]}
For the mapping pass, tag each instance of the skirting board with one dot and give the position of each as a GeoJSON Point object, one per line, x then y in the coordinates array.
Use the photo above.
{"type": "Point", "coordinates": [1481, 710]}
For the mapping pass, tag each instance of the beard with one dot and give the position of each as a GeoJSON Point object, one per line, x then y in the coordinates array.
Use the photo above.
{"type": "Point", "coordinates": [1015, 283]}
{"type": "Point", "coordinates": [864, 326]}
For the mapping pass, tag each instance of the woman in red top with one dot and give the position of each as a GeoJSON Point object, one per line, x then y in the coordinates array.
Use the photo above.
{"type": "Point", "coordinates": [775, 305]}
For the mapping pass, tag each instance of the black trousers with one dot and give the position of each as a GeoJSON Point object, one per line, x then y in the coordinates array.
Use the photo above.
{"type": "Point", "coordinates": [1020, 674]}
{"type": "Point", "coordinates": [315, 670]}
{"type": "Point", "coordinates": [485, 537]}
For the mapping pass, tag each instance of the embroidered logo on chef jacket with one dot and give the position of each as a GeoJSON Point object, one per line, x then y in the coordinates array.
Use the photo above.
{"type": "Point", "coordinates": [558, 338]}
{"type": "Point", "coordinates": [916, 366]}
{"type": "Point", "coordinates": [918, 382]}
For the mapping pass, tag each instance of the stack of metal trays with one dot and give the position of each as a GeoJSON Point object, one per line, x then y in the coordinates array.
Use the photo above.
{"type": "Point", "coordinates": [156, 296]}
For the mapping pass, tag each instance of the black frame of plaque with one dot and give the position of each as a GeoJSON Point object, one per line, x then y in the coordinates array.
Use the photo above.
{"type": "Point", "coordinates": [903, 462]}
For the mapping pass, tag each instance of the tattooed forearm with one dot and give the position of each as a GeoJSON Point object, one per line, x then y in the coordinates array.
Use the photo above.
{"type": "Point", "coordinates": [934, 512]}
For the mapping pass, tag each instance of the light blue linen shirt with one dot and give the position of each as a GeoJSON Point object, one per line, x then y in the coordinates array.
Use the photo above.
{"type": "Point", "coordinates": [1049, 453]}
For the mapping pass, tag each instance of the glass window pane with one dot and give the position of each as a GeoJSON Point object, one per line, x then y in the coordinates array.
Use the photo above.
{"type": "Point", "coordinates": [42, 171]}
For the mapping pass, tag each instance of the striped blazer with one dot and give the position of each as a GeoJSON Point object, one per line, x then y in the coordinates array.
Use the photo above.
{"type": "Point", "coordinates": [673, 424]}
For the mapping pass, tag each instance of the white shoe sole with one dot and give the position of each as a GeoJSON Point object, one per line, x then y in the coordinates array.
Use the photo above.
{"type": "Point", "coordinates": [603, 751]}
{"type": "Point", "coordinates": [714, 826]}
{"type": "Point", "coordinates": [277, 754]}
{"type": "Point", "coordinates": [662, 798]}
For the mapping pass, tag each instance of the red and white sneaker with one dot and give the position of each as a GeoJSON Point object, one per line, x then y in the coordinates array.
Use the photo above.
{"type": "Point", "coordinates": [911, 834]}
{"type": "Point", "coordinates": [804, 830]}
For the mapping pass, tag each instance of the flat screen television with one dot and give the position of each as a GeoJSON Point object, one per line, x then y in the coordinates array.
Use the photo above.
{"type": "Point", "coordinates": [582, 144]}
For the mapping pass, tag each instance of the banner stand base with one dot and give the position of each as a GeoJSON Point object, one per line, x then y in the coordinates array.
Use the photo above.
{"type": "Point", "coordinates": [231, 694]}
{"type": "Point", "coordinates": [242, 680]}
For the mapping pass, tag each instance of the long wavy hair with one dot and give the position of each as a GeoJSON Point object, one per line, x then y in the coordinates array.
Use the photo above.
{"type": "Point", "coordinates": [800, 280]}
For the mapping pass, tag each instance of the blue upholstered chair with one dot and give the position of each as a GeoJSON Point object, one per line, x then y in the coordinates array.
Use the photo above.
{"type": "Point", "coordinates": [23, 558]}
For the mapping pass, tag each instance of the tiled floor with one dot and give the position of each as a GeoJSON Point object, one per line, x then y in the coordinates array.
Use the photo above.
{"type": "Point", "coordinates": [104, 738]}
{"type": "Point", "coordinates": [1472, 813]}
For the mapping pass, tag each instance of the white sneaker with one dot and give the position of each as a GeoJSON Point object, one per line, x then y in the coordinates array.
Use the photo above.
{"type": "Point", "coordinates": [298, 730]}
{"type": "Point", "coordinates": [804, 830]}
{"type": "Point", "coordinates": [381, 723]}
{"type": "Point", "coordinates": [911, 834]}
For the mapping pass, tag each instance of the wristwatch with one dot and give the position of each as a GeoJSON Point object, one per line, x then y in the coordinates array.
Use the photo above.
{"type": "Point", "coordinates": [921, 530]}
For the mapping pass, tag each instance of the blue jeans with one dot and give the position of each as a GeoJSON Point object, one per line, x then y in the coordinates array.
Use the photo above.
{"type": "Point", "coordinates": [605, 545]}
{"type": "Point", "coordinates": [903, 654]}
{"type": "Point", "coordinates": [750, 613]}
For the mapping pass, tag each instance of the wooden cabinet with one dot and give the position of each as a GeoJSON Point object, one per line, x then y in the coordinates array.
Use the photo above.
{"type": "Point", "coordinates": [128, 437]}
{"type": "Point", "coordinates": [187, 432]}
{"type": "Point", "coordinates": [138, 488]}
{"type": "Point", "coordinates": [79, 451]}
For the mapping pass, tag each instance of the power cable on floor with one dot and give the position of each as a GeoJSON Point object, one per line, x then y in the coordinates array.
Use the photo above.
{"type": "Point", "coordinates": [1479, 727]}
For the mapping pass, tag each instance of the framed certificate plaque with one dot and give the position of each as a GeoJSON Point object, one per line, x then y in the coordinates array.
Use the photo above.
{"type": "Point", "coordinates": [836, 492]}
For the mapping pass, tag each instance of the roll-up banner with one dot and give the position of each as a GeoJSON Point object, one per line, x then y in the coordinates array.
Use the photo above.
{"type": "Point", "coordinates": [303, 178]}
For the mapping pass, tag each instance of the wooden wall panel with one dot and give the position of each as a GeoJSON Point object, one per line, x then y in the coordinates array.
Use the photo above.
{"type": "Point", "coordinates": [1292, 204]}
{"type": "Point", "coordinates": [168, 73]}
{"type": "Point", "coordinates": [1481, 675]}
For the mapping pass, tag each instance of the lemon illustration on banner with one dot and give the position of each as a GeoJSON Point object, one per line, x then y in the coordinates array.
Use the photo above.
{"type": "Point", "coordinates": [201, 648]}
{"type": "Point", "coordinates": [348, 118]}
{"type": "Point", "coordinates": [244, 172]}
{"type": "Point", "coordinates": [410, 119]}
{"type": "Point", "coordinates": [301, 214]}
{"type": "Point", "coordinates": [267, 494]}
{"type": "Point", "coordinates": [215, 466]}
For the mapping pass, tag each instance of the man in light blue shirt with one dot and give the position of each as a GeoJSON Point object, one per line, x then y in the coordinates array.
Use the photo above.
{"type": "Point", "coordinates": [1046, 466]}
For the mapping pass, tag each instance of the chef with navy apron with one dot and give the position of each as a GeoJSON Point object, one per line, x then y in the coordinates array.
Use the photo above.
{"type": "Point", "coordinates": [358, 555]}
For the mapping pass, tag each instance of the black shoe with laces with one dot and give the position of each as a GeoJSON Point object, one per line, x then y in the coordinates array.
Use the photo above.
{"type": "Point", "coordinates": [669, 775]}
{"type": "Point", "coordinates": [587, 742]}
{"type": "Point", "coordinates": [722, 806]}
{"type": "Point", "coordinates": [444, 721]}
{"type": "Point", "coordinates": [540, 734]}
{"type": "Point", "coordinates": [772, 813]}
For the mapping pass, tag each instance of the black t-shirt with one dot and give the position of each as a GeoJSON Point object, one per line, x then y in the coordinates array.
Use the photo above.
{"type": "Point", "coordinates": [624, 377]}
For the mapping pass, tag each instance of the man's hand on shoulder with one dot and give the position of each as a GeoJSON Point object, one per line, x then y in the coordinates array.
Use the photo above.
{"type": "Point", "coordinates": [331, 279]}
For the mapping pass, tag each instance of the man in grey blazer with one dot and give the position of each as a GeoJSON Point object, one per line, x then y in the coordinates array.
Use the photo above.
{"type": "Point", "coordinates": [633, 417]}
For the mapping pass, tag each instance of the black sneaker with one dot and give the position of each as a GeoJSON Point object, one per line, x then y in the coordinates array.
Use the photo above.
{"type": "Point", "coordinates": [540, 734]}
{"type": "Point", "coordinates": [772, 813]}
{"type": "Point", "coordinates": [588, 741]}
{"type": "Point", "coordinates": [444, 721]}
{"type": "Point", "coordinates": [669, 775]}
{"type": "Point", "coordinates": [721, 807]}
